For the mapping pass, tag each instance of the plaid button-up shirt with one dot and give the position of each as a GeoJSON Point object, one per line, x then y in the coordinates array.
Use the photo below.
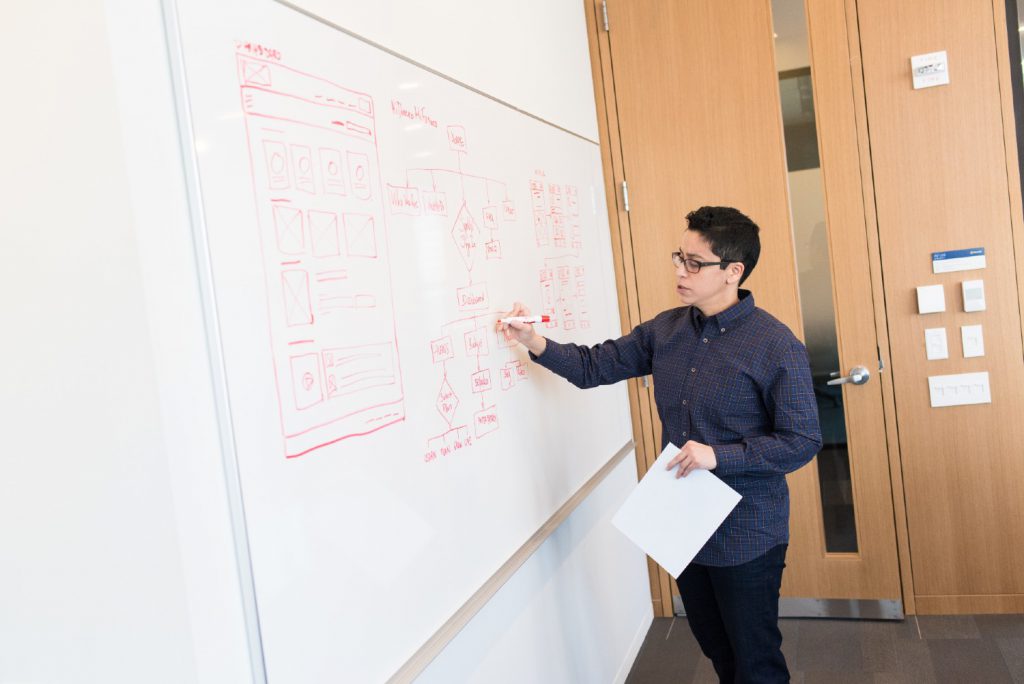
{"type": "Point", "coordinates": [739, 382]}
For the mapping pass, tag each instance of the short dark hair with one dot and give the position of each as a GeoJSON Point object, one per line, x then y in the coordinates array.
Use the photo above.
{"type": "Point", "coordinates": [732, 235]}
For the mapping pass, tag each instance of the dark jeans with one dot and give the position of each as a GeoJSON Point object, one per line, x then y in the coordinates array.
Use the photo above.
{"type": "Point", "coordinates": [734, 614]}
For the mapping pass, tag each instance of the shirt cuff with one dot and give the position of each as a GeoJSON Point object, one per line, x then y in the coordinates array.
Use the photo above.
{"type": "Point", "coordinates": [549, 357]}
{"type": "Point", "coordinates": [729, 458]}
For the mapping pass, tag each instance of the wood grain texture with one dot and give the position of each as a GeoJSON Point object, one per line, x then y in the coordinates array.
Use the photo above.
{"type": "Point", "coordinates": [700, 122]}
{"type": "Point", "coordinates": [941, 182]}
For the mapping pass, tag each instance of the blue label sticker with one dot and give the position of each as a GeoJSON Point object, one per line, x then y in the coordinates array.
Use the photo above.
{"type": "Point", "coordinates": [958, 254]}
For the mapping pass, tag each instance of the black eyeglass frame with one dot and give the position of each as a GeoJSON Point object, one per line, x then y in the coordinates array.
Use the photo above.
{"type": "Point", "coordinates": [679, 260]}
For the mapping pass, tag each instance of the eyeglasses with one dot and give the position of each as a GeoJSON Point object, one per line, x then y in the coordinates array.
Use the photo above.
{"type": "Point", "coordinates": [694, 266]}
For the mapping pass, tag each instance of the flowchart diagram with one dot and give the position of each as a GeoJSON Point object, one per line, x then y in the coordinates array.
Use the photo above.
{"type": "Point", "coordinates": [473, 364]}
{"type": "Point", "coordinates": [324, 212]}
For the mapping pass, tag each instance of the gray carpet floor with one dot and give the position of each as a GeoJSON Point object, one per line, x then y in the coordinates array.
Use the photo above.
{"type": "Point", "coordinates": [975, 649]}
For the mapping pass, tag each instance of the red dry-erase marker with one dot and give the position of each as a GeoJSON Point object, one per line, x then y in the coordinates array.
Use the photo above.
{"type": "Point", "coordinates": [526, 319]}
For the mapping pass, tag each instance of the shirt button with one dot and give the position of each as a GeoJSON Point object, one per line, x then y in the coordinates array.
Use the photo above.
{"type": "Point", "coordinates": [684, 433]}
{"type": "Point", "coordinates": [722, 330]}
{"type": "Point", "coordinates": [705, 340]}
{"type": "Point", "coordinates": [693, 370]}
{"type": "Point", "coordinates": [684, 402]}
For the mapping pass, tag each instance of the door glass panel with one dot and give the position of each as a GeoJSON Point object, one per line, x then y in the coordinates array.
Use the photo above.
{"type": "Point", "coordinates": [807, 204]}
{"type": "Point", "coordinates": [1020, 32]}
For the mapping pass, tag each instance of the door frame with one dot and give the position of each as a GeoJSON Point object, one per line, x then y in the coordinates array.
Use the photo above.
{"type": "Point", "coordinates": [641, 396]}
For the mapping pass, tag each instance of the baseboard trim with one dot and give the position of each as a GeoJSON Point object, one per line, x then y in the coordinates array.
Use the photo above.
{"type": "Point", "coordinates": [634, 647]}
{"type": "Point", "coordinates": [850, 609]}
{"type": "Point", "coordinates": [970, 604]}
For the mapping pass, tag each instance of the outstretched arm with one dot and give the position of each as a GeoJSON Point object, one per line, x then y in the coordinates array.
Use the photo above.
{"type": "Point", "coordinates": [602, 364]}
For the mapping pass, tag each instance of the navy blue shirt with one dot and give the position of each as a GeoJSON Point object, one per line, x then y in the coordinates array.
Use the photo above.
{"type": "Point", "coordinates": [739, 382]}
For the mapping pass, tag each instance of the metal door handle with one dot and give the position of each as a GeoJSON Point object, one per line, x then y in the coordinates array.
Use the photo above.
{"type": "Point", "coordinates": [858, 376]}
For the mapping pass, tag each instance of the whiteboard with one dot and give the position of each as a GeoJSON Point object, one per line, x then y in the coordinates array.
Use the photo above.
{"type": "Point", "coordinates": [364, 220]}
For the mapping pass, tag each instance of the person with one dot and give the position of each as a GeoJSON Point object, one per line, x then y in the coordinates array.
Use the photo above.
{"type": "Point", "coordinates": [733, 386]}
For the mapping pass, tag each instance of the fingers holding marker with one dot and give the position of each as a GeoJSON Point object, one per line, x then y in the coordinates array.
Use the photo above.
{"type": "Point", "coordinates": [522, 321]}
{"type": "Point", "coordinates": [518, 324]}
{"type": "Point", "coordinates": [519, 318]}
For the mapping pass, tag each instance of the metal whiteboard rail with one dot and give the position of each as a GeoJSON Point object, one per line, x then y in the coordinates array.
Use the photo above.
{"type": "Point", "coordinates": [176, 60]}
{"type": "Point", "coordinates": [428, 651]}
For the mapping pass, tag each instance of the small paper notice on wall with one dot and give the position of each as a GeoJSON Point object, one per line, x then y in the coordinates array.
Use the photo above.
{"type": "Point", "coordinates": [929, 70]}
{"type": "Point", "coordinates": [958, 260]}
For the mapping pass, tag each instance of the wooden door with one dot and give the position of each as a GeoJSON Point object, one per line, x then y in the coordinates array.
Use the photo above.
{"type": "Point", "coordinates": [692, 117]}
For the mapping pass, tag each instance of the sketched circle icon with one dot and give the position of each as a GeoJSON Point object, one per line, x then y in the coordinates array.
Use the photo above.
{"type": "Point", "coordinates": [277, 163]}
{"type": "Point", "coordinates": [304, 164]}
{"type": "Point", "coordinates": [307, 381]}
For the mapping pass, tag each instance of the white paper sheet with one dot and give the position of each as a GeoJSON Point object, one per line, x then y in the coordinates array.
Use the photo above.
{"type": "Point", "coordinates": [671, 518]}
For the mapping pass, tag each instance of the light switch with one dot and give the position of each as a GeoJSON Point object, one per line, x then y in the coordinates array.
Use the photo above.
{"type": "Point", "coordinates": [930, 299]}
{"type": "Point", "coordinates": [929, 70]}
{"type": "Point", "coordinates": [974, 295]}
{"type": "Point", "coordinates": [973, 341]}
{"type": "Point", "coordinates": [960, 389]}
{"type": "Point", "coordinates": [935, 343]}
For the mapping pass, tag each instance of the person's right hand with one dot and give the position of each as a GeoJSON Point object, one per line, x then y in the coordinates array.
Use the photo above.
{"type": "Point", "coordinates": [522, 332]}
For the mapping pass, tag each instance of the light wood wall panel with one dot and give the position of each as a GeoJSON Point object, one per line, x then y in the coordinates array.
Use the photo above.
{"type": "Point", "coordinates": [940, 168]}
{"type": "Point", "coordinates": [698, 105]}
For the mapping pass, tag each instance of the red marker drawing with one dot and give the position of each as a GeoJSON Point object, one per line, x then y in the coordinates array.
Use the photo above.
{"type": "Point", "coordinates": [526, 319]}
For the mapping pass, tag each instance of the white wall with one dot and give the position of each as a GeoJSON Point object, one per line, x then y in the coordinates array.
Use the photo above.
{"type": "Point", "coordinates": [92, 584]}
{"type": "Point", "coordinates": [116, 556]}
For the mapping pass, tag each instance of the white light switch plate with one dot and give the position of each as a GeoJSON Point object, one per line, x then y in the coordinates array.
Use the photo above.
{"type": "Point", "coordinates": [974, 295]}
{"type": "Point", "coordinates": [930, 299]}
{"type": "Point", "coordinates": [973, 340]}
{"type": "Point", "coordinates": [958, 390]}
{"type": "Point", "coordinates": [935, 343]}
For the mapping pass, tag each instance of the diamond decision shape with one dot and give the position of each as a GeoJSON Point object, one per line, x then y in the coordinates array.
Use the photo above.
{"type": "Point", "coordinates": [447, 401]}
{"type": "Point", "coordinates": [466, 234]}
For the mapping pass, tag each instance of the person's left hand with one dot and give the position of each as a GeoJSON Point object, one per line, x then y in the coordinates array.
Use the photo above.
{"type": "Point", "coordinates": [692, 456]}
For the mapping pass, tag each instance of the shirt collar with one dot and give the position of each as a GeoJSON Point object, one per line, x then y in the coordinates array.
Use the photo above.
{"type": "Point", "coordinates": [730, 317]}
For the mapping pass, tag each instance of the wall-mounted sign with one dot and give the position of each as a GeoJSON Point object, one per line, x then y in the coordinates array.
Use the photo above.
{"type": "Point", "coordinates": [930, 70]}
{"type": "Point", "coordinates": [958, 260]}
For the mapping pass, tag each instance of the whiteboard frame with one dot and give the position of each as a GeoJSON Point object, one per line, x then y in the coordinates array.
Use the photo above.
{"type": "Point", "coordinates": [190, 163]}
{"type": "Point", "coordinates": [201, 247]}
